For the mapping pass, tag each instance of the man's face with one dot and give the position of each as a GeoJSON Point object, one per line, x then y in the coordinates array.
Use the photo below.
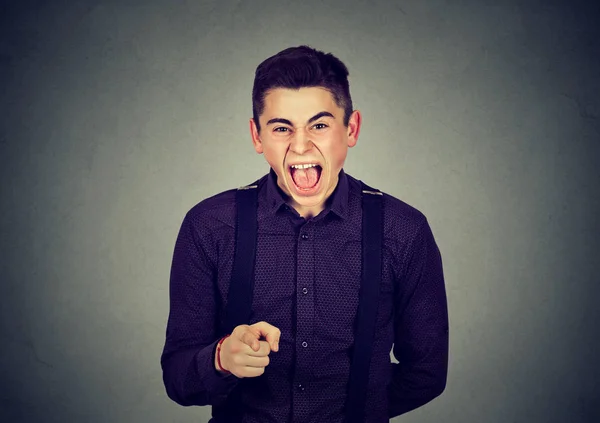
{"type": "Point", "coordinates": [305, 127]}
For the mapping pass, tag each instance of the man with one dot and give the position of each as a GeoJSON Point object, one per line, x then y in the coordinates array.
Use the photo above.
{"type": "Point", "coordinates": [292, 361]}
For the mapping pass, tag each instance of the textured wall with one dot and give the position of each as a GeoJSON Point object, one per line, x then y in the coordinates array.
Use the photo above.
{"type": "Point", "coordinates": [117, 117]}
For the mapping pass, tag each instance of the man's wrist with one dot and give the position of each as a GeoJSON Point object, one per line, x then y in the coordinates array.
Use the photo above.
{"type": "Point", "coordinates": [218, 362]}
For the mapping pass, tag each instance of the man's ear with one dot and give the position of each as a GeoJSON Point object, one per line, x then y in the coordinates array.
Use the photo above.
{"type": "Point", "coordinates": [354, 127]}
{"type": "Point", "coordinates": [256, 141]}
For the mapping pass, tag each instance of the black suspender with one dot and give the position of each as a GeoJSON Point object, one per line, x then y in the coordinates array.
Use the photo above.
{"type": "Point", "coordinates": [239, 302]}
{"type": "Point", "coordinates": [364, 331]}
{"type": "Point", "coordinates": [241, 288]}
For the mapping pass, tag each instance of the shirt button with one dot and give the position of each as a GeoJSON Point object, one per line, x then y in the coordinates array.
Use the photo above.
{"type": "Point", "coordinates": [304, 344]}
{"type": "Point", "coordinates": [304, 236]}
{"type": "Point", "coordinates": [304, 290]}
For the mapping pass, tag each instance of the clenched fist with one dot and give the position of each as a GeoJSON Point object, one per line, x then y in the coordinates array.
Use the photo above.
{"type": "Point", "coordinates": [244, 354]}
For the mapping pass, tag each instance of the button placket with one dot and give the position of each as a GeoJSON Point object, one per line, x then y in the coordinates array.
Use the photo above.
{"type": "Point", "coordinates": [305, 307]}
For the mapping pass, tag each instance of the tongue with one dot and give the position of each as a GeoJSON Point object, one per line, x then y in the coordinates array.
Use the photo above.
{"type": "Point", "coordinates": [305, 178]}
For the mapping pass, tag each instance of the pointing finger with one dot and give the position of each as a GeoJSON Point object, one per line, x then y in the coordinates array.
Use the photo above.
{"type": "Point", "coordinates": [270, 332]}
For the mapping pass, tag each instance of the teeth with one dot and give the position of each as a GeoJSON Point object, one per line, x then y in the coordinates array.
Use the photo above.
{"type": "Point", "coordinates": [304, 166]}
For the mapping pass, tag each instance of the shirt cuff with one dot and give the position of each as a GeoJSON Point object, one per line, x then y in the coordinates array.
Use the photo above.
{"type": "Point", "coordinates": [216, 383]}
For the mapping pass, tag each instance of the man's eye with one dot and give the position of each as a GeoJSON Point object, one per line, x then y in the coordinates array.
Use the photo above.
{"type": "Point", "coordinates": [283, 129]}
{"type": "Point", "coordinates": [320, 125]}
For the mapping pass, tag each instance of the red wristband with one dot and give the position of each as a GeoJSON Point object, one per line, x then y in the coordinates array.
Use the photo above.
{"type": "Point", "coordinates": [219, 355]}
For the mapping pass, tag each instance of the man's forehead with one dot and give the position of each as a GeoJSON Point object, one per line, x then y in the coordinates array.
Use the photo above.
{"type": "Point", "coordinates": [305, 100]}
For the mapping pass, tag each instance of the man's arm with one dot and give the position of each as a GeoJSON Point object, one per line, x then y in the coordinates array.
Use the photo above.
{"type": "Point", "coordinates": [420, 327]}
{"type": "Point", "coordinates": [188, 358]}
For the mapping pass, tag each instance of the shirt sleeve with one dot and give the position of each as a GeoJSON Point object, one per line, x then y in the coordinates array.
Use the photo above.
{"type": "Point", "coordinates": [420, 327]}
{"type": "Point", "coordinates": [187, 360]}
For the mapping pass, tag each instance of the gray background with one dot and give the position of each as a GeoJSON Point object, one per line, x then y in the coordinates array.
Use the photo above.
{"type": "Point", "coordinates": [117, 117]}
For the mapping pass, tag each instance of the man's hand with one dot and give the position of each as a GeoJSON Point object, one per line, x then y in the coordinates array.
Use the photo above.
{"type": "Point", "coordinates": [244, 354]}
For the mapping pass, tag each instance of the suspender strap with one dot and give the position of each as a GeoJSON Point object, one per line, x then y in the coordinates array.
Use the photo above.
{"type": "Point", "coordinates": [372, 236]}
{"type": "Point", "coordinates": [241, 288]}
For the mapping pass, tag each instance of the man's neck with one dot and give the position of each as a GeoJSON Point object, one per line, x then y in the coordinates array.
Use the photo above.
{"type": "Point", "coordinates": [307, 212]}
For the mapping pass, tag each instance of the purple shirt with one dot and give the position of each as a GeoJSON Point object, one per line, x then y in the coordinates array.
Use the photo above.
{"type": "Point", "coordinates": [307, 279]}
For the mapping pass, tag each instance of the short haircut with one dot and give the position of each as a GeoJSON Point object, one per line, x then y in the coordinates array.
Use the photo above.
{"type": "Point", "coordinates": [298, 67]}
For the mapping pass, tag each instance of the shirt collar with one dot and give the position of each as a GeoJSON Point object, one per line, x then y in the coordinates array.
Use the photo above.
{"type": "Point", "coordinates": [275, 196]}
{"type": "Point", "coordinates": [337, 202]}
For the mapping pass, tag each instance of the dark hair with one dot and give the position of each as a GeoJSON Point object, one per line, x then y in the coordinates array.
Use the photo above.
{"type": "Point", "coordinates": [298, 67]}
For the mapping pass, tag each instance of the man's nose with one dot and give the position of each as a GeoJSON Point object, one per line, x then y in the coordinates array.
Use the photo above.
{"type": "Point", "coordinates": [300, 141]}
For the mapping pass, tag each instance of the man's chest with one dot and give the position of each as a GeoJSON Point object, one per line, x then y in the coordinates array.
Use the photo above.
{"type": "Point", "coordinates": [308, 277]}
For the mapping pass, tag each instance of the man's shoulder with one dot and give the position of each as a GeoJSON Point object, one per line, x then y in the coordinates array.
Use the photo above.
{"type": "Point", "coordinates": [400, 209]}
{"type": "Point", "coordinates": [216, 210]}
{"type": "Point", "coordinates": [397, 212]}
{"type": "Point", "coordinates": [219, 207]}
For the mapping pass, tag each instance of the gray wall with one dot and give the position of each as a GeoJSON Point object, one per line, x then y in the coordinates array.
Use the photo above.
{"type": "Point", "coordinates": [117, 117]}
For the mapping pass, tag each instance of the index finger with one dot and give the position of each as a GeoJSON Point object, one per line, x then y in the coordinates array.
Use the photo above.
{"type": "Point", "coordinates": [270, 332]}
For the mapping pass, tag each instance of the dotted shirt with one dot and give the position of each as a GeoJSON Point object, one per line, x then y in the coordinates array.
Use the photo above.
{"type": "Point", "coordinates": [307, 280]}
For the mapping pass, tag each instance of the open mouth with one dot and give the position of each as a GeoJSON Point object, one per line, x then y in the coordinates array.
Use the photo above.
{"type": "Point", "coordinates": [306, 177]}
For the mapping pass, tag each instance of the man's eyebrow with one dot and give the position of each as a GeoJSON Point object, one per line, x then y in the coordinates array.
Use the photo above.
{"type": "Point", "coordinates": [312, 119]}
{"type": "Point", "coordinates": [320, 115]}
{"type": "Point", "coordinates": [279, 120]}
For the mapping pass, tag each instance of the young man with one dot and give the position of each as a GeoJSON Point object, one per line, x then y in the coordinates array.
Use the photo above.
{"type": "Point", "coordinates": [292, 361]}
